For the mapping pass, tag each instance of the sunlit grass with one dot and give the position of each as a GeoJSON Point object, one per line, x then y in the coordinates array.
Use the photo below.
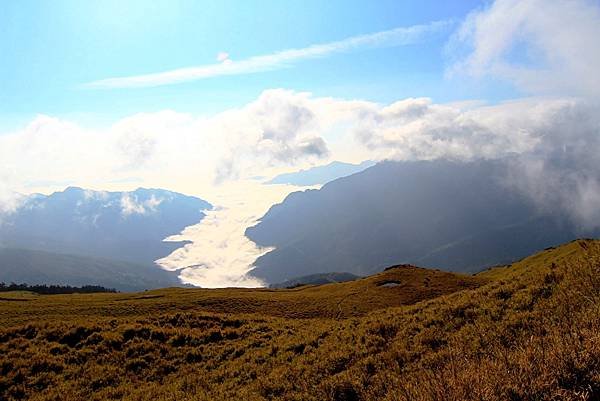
{"type": "Point", "coordinates": [529, 331]}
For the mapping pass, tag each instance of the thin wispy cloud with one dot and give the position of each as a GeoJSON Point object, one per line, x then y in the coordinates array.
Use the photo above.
{"type": "Point", "coordinates": [282, 59]}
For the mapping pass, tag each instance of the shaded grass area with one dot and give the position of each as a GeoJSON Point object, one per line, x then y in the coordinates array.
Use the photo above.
{"type": "Point", "coordinates": [530, 331]}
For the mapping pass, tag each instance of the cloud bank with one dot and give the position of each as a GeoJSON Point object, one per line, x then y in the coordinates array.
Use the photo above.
{"type": "Point", "coordinates": [279, 130]}
{"type": "Point", "coordinates": [554, 140]}
{"type": "Point", "coordinates": [220, 254]}
{"type": "Point", "coordinates": [226, 66]}
{"type": "Point", "coordinates": [552, 146]}
{"type": "Point", "coordinates": [544, 48]}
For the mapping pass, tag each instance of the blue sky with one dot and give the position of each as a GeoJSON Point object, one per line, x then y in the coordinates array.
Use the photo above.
{"type": "Point", "coordinates": [50, 49]}
{"type": "Point", "coordinates": [188, 95]}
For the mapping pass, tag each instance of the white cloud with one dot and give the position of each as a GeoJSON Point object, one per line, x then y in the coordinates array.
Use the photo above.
{"type": "Point", "coordinates": [223, 57]}
{"type": "Point", "coordinates": [95, 195]}
{"type": "Point", "coordinates": [281, 59]}
{"type": "Point", "coordinates": [130, 205]}
{"type": "Point", "coordinates": [417, 129]}
{"type": "Point", "coordinates": [183, 152]}
{"type": "Point", "coordinates": [220, 255]}
{"type": "Point", "coordinates": [280, 127]}
{"type": "Point", "coordinates": [49, 149]}
{"type": "Point", "coordinates": [544, 47]}
{"type": "Point", "coordinates": [556, 138]}
{"type": "Point", "coordinates": [9, 199]}
{"type": "Point", "coordinates": [152, 203]}
{"type": "Point", "coordinates": [551, 146]}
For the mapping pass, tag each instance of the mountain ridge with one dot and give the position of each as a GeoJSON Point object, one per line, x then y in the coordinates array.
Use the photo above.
{"type": "Point", "coordinates": [128, 226]}
{"type": "Point", "coordinates": [458, 216]}
{"type": "Point", "coordinates": [320, 175]}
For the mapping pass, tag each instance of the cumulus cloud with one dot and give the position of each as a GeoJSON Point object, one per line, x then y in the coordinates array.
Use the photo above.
{"type": "Point", "coordinates": [280, 127]}
{"type": "Point", "coordinates": [556, 140]}
{"type": "Point", "coordinates": [417, 129]}
{"type": "Point", "coordinates": [544, 47]}
{"type": "Point", "coordinates": [185, 152]}
{"type": "Point", "coordinates": [551, 146]}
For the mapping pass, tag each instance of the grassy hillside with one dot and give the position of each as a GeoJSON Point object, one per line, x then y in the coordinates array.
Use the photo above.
{"type": "Point", "coordinates": [316, 279]}
{"type": "Point", "coordinates": [329, 301]}
{"type": "Point", "coordinates": [529, 331]}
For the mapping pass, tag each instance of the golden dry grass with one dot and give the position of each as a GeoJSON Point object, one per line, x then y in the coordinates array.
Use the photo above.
{"type": "Point", "coordinates": [339, 300]}
{"type": "Point", "coordinates": [530, 331]}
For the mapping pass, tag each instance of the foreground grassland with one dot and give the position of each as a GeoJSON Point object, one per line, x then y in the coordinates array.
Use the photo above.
{"type": "Point", "coordinates": [529, 331]}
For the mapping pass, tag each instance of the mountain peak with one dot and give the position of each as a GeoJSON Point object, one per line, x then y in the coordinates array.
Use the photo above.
{"type": "Point", "coordinates": [321, 174]}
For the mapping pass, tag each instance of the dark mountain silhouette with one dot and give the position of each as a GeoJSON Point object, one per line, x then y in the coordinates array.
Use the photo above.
{"type": "Point", "coordinates": [451, 215]}
{"type": "Point", "coordinates": [127, 226]}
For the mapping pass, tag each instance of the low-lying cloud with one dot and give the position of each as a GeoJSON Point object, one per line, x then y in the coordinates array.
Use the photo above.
{"type": "Point", "coordinates": [552, 146]}
{"type": "Point", "coordinates": [130, 205]}
{"type": "Point", "coordinates": [220, 255]}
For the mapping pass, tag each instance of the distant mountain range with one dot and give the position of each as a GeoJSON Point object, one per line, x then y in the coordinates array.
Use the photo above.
{"type": "Point", "coordinates": [39, 267]}
{"type": "Point", "coordinates": [127, 226]}
{"type": "Point", "coordinates": [451, 215]}
{"type": "Point", "coordinates": [321, 174]}
{"type": "Point", "coordinates": [122, 232]}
